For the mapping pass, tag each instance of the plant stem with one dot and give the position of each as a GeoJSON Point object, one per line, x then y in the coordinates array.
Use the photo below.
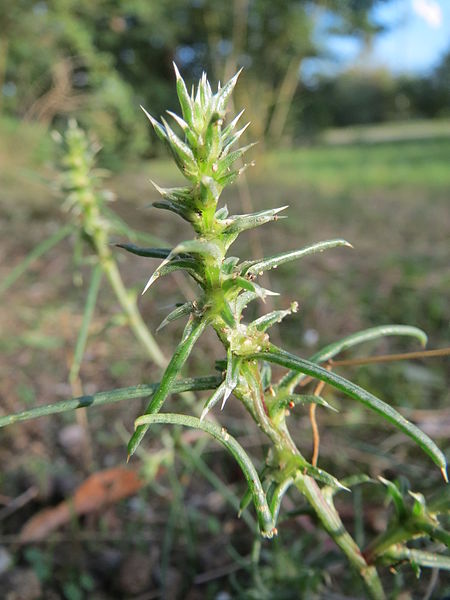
{"type": "Point", "coordinates": [331, 521]}
{"type": "Point", "coordinates": [129, 307]}
{"type": "Point", "coordinates": [87, 317]}
{"type": "Point", "coordinates": [117, 395]}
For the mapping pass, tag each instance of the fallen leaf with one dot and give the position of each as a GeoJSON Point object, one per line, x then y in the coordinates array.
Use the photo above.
{"type": "Point", "coordinates": [95, 493]}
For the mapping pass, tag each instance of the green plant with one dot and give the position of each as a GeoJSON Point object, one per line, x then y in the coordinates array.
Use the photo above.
{"type": "Point", "coordinates": [206, 156]}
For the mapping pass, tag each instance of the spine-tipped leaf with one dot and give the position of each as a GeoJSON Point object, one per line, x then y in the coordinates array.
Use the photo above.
{"type": "Point", "coordinates": [192, 332]}
{"type": "Point", "coordinates": [159, 129]}
{"type": "Point", "coordinates": [221, 435]}
{"type": "Point", "coordinates": [177, 313]}
{"type": "Point", "coordinates": [307, 367]}
{"type": "Point", "coordinates": [232, 375]}
{"type": "Point", "coordinates": [271, 262]}
{"type": "Point", "coordinates": [184, 98]}
{"type": "Point", "coordinates": [225, 92]}
{"type": "Point", "coordinates": [147, 252]}
{"type": "Point", "coordinates": [373, 333]}
{"type": "Point", "coordinates": [276, 316]}
{"type": "Point", "coordinates": [238, 223]}
{"type": "Point", "coordinates": [214, 399]}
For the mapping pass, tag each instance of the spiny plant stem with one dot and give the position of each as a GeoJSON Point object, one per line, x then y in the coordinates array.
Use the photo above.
{"type": "Point", "coordinates": [80, 181]}
{"type": "Point", "coordinates": [331, 521]}
{"type": "Point", "coordinates": [204, 155]}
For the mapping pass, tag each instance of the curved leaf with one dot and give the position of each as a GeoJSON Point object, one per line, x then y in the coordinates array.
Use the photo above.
{"type": "Point", "coordinates": [278, 495]}
{"type": "Point", "coordinates": [193, 331]}
{"type": "Point", "coordinates": [366, 335]}
{"type": "Point", "coordinates": [307, 367]}
{"type": "Point", "coordinates": [183, 97]}
{"type": "Point", "coordinates": [221, 435]}
{"type": "Point", "coordinates": [213, 400]}
{"type": "Point", "coordinates": [238, 223]}
{"type": "Point", "coordinates": [177, 313]}
{"type": "Point", "coordinates": [148, 252]}
{"type": "Point", "coordinates": [101, 398]}
{"type": "Point", "coordinates": [272, 262]}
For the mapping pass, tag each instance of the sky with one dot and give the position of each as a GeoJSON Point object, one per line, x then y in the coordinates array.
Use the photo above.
{"type": "Point", "coordinates": [420, 35]}
{"type": "Point", "coordinates": [416, 39]}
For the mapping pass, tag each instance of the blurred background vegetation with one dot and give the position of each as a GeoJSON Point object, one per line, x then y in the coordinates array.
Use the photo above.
{"type": "Point", "coordinates": [357, 148]}
{"type": "Point", "coordinates": [97, 61]}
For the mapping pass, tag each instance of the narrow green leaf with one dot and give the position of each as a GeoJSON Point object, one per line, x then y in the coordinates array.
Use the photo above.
{"type": "Point", "coordinates": [172, 207]}
{"type": "Point", "coordinates": [148, 252]}
{"type": "Point", "coordinates": [222, 213]}
{"type": "Point", "coordinates": [181, 151]}
{"type": "Point", "coordinates": [177, 313]}
{"type": "Point", "coordinates": [238, 282]}
{"type": "Point", "coordinates": [271, 262]}
{"type": "Point", "coordinates": [223, 95]}
{"type": "Point", "coordinates": [367, 335]}
{"type": "Point", "coordinates": [216, 396]}
{"type": "Point", "coordinates": [307, 367]}
{"type": "Point", "coordinates": [302, 399]}
{"type": "Point", "coordinates": [101, 398]}
{"type": "Point", "coordinates": [232, 375]}
{"type": "Point", "coordinates": [183, 97]}
{"type": "Point", "coordinates": [192, 332]}
{"type": "Point", "coordinates": [202, 247]}
{"type": "Point", "coordinates": [324, 477]}
{"type": "Point", "coordinates": [227, 314]}
{"type": "Point", "coordinates": [231, 140]}
{"type": "Point", "coordinates": [422, 558]}
{"type": "Point", "coordinates": [238, 223]}
{"type": "Point", "coordinates": [211, 187]}
{"type": "Point", "coordinates": [178, 195]}
{"type": "Point", "coordinates": [349, 482]}
{"type": "Point", "coordinates": [276, 316]}
{"type": "Point", "coordinates": [227, 132]}
{"type": "Point", "coordinates": [189, 265]}
{"type": "Point", "coordinates": [292, 379]}
{"type": "Point", "coordinates": [397, 498]}
{"type": "Point", "coordinates": [266, 375]}
{"type": "Point", "coordinates": [181, 122]}
{"type": "Point", "coordinates": [243, 300]}
{"type": "Point", "coordinates": [91, 300]}
{"type": "Point", "coordinates": [221, 435]}
{"type": "Point", "coordinates": [225, 162]}
{"type": "Point", "coordinates": [159, 129]}
{"type": "Point", "coordinates": [36, 253]}
{"type": "Point", "coordinates": [229, 264]}
{"type": "Point", "coordinates": [277, 497]}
